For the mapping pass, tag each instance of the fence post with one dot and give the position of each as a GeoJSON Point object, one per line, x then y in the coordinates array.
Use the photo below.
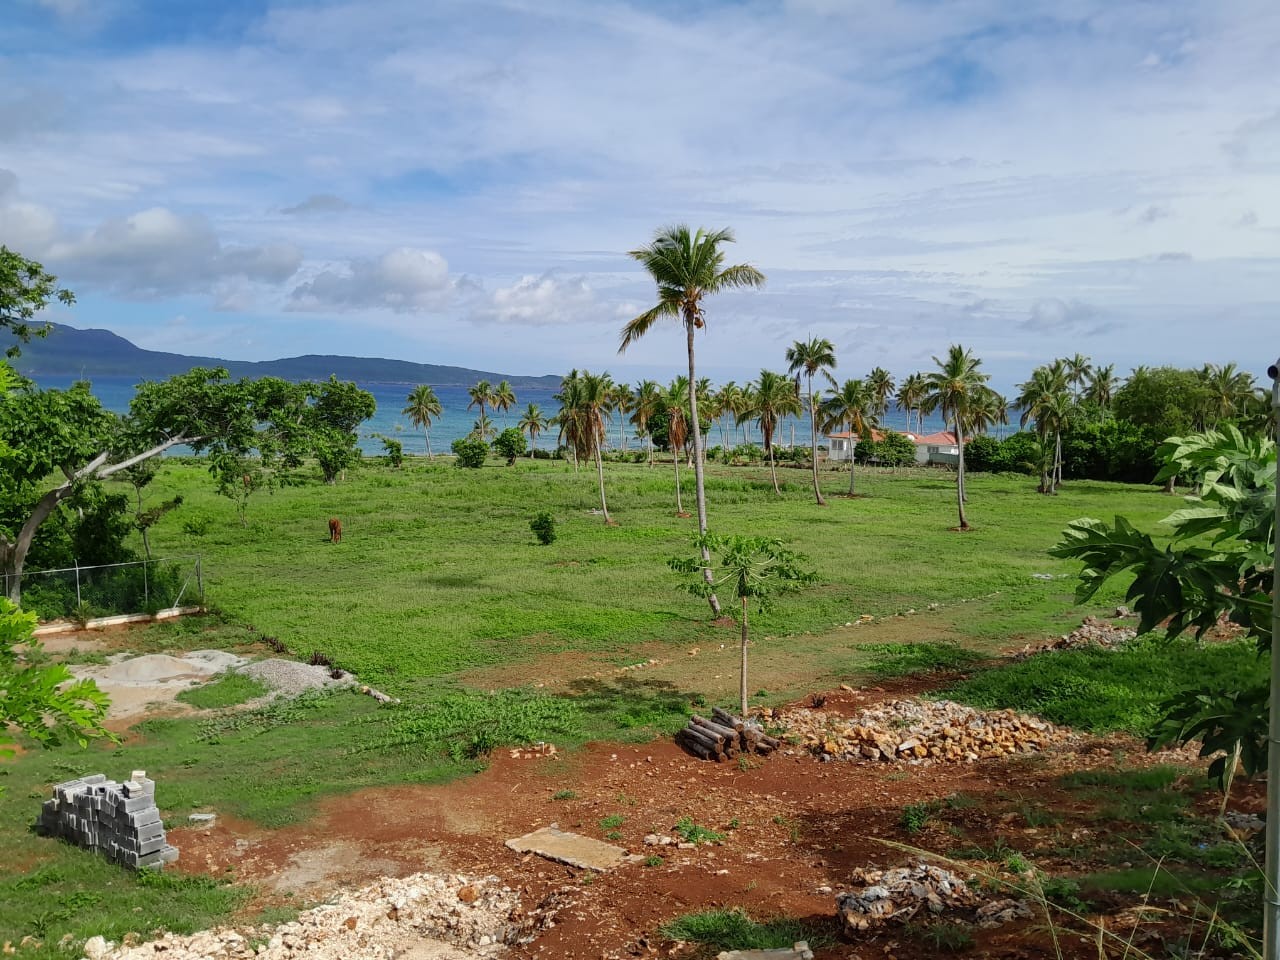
{"type": "Point", "coordinates": [146, 589]}
{"type": "Point", "coordinates": [199, 581]}
{"type": "Point", "coordinates": [79, 602]}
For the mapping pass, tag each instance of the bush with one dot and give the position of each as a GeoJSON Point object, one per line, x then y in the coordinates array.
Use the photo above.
{"type": "Point", "coordinates": [544, 528]}
{"type": "Point", "coordinates": [395, 451]}
{"type": "Point", "coordinates": [471, 452]}
{"type": "Point", "coordinates": [510, 444]}
{"type": "Point", "coordinates": [981, 453]}
{"type": "Point", "coordinates": [197, 525]}
{"type": "Point", "coordinates": [893, 449]}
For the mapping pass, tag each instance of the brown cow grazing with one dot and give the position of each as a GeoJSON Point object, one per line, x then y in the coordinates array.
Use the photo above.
{"type": "Point", "coordinates": [335, 530]}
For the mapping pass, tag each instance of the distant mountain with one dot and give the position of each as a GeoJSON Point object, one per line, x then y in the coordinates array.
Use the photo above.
{"type": "Point", "coordinates": [71, 352]}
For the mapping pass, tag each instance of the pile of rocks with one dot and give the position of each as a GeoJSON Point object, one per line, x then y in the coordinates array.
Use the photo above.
{"type": "Point", "coordinates": [1093, 632]}
{"type": "Point", "coordinates": [898, 894]}
{"type": "Point", "coordinates": [919, 731]}
{"type": "Point", "coordinates": [381, 920]}
{"type": "Point", "coordinates": [119, 819]}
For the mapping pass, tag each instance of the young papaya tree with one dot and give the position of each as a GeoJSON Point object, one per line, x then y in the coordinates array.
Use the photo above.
{"type": "Point", "coordinates": [1219, 564]}
{"type": "Point", "coordinates": [754, 569]}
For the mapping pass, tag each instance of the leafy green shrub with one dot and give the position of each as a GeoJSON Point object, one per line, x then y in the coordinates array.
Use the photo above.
{"type": "Point", "coordinates": [395, 451]}
{"type": "Point", "coordinates": [915, 816]}
{"type": "Point", "coordinates": [690, 832]}
{"type": "Point", "coordinates": [981, 453]}
{"type": "Point", "coordinates": [735, 930]}
{"type": "Point", "coordinates": [470, 451]}
{"type": "Point", "coordinates": [197, 524]}
{"type": "Point", "coordinates": [544, 528]}
{"type": "Point", "coordinates": [510, 443]}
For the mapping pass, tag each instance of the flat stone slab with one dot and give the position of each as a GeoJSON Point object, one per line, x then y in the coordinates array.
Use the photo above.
{"type": "Point", "coordinates": [569, 848]}
{"type": "Point", "coordinates": [800, 951]}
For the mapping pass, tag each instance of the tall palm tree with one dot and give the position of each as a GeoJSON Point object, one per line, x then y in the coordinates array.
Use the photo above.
{"type": "Point", "coordinates": [675, 401]}
{"type": "Point", "coordinates": [988, 409]}
{"type": "Point", "coordinates": [727, 400]}
{"type": "Point", "coordinates": [910, 395]}
{"type": "Point", "coordinates": [584, 403]}
{"type": "Point", "coordinates": [533, 423]}
{"type": "Point", "coordinates": [853, 405]}
{"type": "Point", "coordinates": [951, 389]}
{"type": "Point", "coordinates": [423, 407]}
{"type": "Point", "coordinates": [1230, 391]}
{"type": "Point", "coordinates": [503, 399]}
{"type": "Point", "coordinates": [772, 397]}
{"type": "Point", "coordinates": [647, 401]}
{"type": "Point", "coordinates": [687, 268]}
{"type": "Point", "coordinates": [1045, 398]}
{"type": "Point", "coordinates": [880, 383]}
{"type": "Point", "coordinates": [621, 400]}
{"type": "Point", "coordinates": [1102, 386]}
{"type": "Point", "coordinates": [1078, 369]}
{"type": "Point", "coordinates": [815, 355]}
{"type": "Point", "coordinates": [481, 396]}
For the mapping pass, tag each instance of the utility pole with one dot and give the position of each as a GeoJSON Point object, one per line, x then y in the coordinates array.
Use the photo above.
{"type": "Point", "coordinates": [1271, 917]}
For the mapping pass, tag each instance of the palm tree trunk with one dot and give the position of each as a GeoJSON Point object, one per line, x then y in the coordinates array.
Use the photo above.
{"type": "Point", "coordinates": [427, 437]}
{"type": "Point", "coordinates": [649, 441]}
{"type": "Point", "coordinates": [604, 507]}
{"type": "Point", "coordinates": [1057, 461]}
{"type": "Point", "coordinates": [964, 524]}
{"type": "Point", "coordinates": [853, 451]}
{"type": "Point", "coordinates": [813, 428]}
{"type": "Point", "coordinates": [699, 485]}
{"type": "Point", "coordinates": [742, 677]}
{"type": "Point", "coordinates": [675, 462]}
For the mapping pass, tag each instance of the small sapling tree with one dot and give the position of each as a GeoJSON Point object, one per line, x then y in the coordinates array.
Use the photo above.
{"type": "Point", "coordinates": [470, 452]}
{"type": "Point", "coordinates": [544, 528]}
{"type": "Point", "coordinates": [754, 568]}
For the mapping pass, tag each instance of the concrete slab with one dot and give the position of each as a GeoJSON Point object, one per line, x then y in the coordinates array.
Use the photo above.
{"type": "Point", "coordinates": [799, 951]}
{"type": "Point", "coordinates": [569, 848]}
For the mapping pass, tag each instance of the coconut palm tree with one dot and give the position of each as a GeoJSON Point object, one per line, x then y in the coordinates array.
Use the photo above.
{"type": "Point", "coordinates": [503, 399]}
{"type": "Point", "coordinates": [880, 383]}
{"type": "Point", "coordinates": [647, 400]}
{"type": "Point", "coordinates": [1045, 398]}
{"type": "Point", "coordinates": [1078, 369]}
{"type": "Point", "coordinates": [1230, 391]}
{"type": "Point", "coordinates": [481, 396]}
{"type": "Point", "coordinates": [770, 398]}
{"type": "Point", "coordinates": [423, 407]}
{"type": "Point", "coordinates": [910, 395]}
{"type": "Point", "coordinates": [815, 355]}
{"type": "Point", "coordinates": [951, 389]}
{"type": "Point", "coordinates": [989, 409]}
{"type": "Point", "coordinates": [724, 402]}
{"type": "Point", "coordinates": [688, 267]}
{"type": "Point", "coordinates": [483, 428]}
{"type": "Point", "coordinates": [621, 400]}
{"type": "Point", "coordinates": [533, 423]}
{"type": "Point", "coordinates": [584, 402]}
{"type": "Point", "coordinates": [1102, 386]}
{"type": "Point", "coordinates": [853, 406]}
{"type": "Point", "coordinates": [675, 401]}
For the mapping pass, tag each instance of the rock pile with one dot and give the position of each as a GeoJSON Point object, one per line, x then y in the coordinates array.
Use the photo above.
{"type": "Point", "coordinates": [381, 920]}
{"type": "Point", "coordinates": [919, 731]}
{"type": "Point", "coordinates": [898, 894]}
{"type": "Point", "coordinates": [1093, 632]}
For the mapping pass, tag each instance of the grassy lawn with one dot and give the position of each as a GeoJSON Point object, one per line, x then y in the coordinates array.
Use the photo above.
{"type": "Point", "coordinates": [439, 586]}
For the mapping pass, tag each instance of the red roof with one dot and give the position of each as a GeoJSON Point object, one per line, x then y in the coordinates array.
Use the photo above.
{"type": "Point", "coordinates": [944, 439]}
{"type": "Point", "coordinates": [875, 435]}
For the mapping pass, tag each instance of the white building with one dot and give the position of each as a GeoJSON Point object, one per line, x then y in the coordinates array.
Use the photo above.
{"type": "Point", "coordinates": [932, 448]}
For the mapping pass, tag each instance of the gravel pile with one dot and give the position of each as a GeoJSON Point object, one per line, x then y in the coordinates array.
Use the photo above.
{"type": "Point", "coordinates": [1093, 632]}
{"type": "Point", "coordinates": [920, 731]}
{"type": "Point", "coordinates": [289, 677]}
{"type": "Point", "coordinates": [385, 919]}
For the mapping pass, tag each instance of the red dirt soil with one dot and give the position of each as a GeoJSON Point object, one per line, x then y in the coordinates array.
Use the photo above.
{"type": "Point", "coordinates": [801, 826]}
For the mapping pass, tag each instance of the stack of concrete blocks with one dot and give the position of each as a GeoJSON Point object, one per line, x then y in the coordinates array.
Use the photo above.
{"type": "Point", "coordinates": [120, 819]}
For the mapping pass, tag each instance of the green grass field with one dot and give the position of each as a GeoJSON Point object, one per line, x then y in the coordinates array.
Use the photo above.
{"type": "Point", "coordinates": [440, 594]}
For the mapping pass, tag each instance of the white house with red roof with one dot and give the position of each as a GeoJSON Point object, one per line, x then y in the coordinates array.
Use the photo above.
{"type": "Point", "coordinates": [939, 448]}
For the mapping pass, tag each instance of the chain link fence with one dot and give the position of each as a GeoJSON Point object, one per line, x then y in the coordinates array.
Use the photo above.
{"type": "Point", "coordinates": [142, 586]}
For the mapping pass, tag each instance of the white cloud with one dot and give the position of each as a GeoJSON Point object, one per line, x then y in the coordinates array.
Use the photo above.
{"type": "Point", "coordinates": [542, 301]}
{"type": "Point", "coordinates": [405, 280]}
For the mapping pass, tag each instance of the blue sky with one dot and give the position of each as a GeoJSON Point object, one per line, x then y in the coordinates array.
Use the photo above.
{"type": "Point", "coordinates": [459, 182]}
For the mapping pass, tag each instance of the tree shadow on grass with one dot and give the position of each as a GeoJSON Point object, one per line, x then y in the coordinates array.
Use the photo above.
{"type": "Point", "coordinates": [614, 706]}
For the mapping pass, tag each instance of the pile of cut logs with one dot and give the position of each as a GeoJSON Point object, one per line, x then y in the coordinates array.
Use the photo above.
{"type": "Point", "coordinates": [724, 735]}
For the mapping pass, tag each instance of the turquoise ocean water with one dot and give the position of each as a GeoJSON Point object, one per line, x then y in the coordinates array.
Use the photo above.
{"type": "Point", "coordinates": [116, 392]}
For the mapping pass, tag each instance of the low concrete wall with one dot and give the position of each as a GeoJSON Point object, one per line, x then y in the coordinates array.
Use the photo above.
{"type": "Point", "coordinates": [119, 819]}
{"type": "Point", "coordinates": [101, 623]}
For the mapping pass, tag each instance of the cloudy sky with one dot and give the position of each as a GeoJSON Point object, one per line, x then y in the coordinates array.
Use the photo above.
{"type": "Point", "coordinates": [460, 182]}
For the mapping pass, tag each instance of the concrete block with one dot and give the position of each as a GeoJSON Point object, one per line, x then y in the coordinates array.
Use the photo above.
{"type": "Point", "coordinates": [131, 788]}
{"type": "Point", "coordinates": [140, 818]}
{"type": "Point", "coordinates": [94, 778]}
{"type": "Point", "coordinates": [168, 854]}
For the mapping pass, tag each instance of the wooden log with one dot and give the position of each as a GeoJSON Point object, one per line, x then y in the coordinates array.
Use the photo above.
{"type": "Point", "coordinates": [729, 743]}
{"type": "Point", "coordinates": [762, 737]}
{"type": "Point", "coordinates": [725, 718]}
{"type": "Point", "coordinates": [699, 748]}
{"type": "Point", "coordinates": [705, 738]}
{"type": "Point", "coordinates": [729, 734]}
